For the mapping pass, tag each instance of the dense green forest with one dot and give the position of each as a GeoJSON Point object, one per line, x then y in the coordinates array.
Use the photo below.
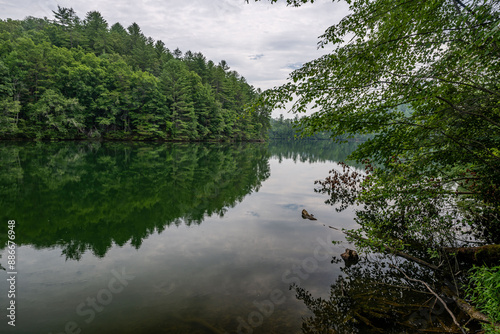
{"type": "Point", "coordinates": [72, 78]}
{"type": "Point", "coordinates": [312, 151]}
{"type": "Point", "coordinates": [286, 128]}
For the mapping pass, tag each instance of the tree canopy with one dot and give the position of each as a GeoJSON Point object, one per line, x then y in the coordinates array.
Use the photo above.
{"type": "Point", "coordinates": [72, 78]}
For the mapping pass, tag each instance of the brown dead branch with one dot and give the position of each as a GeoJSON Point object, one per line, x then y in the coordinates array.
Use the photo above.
{"type": "Point", "coordinates": [470, 310]}
{"type": "Point", "coordinates": [434, 293]}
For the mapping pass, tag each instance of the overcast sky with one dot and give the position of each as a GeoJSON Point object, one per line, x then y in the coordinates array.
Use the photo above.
{"type": "Point", "coordinates": [262, 42]}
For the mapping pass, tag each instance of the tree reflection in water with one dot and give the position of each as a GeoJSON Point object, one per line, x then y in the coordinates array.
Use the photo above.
{"type": "Point", "coordinates": [374, 297]}
{"type": "Point", "coordinates": [88, 195]}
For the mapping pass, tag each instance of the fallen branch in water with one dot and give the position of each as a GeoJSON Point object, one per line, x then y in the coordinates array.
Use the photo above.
{"type": "Point", "coordinates": [463, 305]}
{"type": "Point", "coordinates": [434, 293]}
{"type": "Point", "coordinates": [470, 310]}
{"type": "Point", "coordinates": [392, 250]}
{"type": "Point", "coordinates": [367, 322]}
{"type": "Point", "coordinates": [486, 254]}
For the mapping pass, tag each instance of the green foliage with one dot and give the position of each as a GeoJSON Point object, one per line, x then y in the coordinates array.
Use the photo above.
{"type": "Point", "coordinates": [53, 115]}
{"type": "Point", "coordinates": [290, 129]}
{"type": "Point", "coordinates": [9, 106]}
{"type": "Point", "coordinates": [282, 128]}
{"type": "Point", "coordinates": [95, 29]}
{"type": "Point", "coordinates": [486, 294]}
{"type": "Point", "coordinates": [74, 79]}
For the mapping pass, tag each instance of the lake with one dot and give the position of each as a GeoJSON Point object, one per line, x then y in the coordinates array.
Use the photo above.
{"type": "Point", "coordinates": [168, 237]}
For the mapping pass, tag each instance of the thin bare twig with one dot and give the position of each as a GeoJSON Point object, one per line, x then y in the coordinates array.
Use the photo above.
{"type": "Point", "coordinates": [434, 293]}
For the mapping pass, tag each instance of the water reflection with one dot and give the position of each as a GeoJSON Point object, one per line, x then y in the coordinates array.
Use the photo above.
{"type": "Point", "coordinates": [209, 233]}
{"type": "Point", "coordinates": [82, 196]}
{"type": "Point", "coordinates": [312, 150]}
{"type": "Point", "coordinates": [374, 296]}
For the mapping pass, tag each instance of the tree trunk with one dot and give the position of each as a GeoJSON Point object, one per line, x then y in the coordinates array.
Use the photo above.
{"type": "Point", "coordinates": [489, 254]}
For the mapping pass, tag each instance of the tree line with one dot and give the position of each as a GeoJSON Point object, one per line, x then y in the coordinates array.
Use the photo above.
{"type": "Point", "coordinates": [72, 78]}
{"type": "Point", "coordinates": [282, 128]}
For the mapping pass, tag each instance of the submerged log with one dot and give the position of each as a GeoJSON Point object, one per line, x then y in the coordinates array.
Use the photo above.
{"type": "Point", "coordinates": [467, 308]}
{"type": "Point", "coordinates": [489, 254]}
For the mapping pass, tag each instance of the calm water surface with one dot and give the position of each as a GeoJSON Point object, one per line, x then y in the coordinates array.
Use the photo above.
{"type": "Point", "coordinates": [166, 238]}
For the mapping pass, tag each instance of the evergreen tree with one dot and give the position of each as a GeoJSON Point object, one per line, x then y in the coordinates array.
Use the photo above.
{"type": "Point", "coordinates": [96, 31]}
{"type": "Point", "coordinates": [176, 81]}
{"type": "Point", "coordinates": [69, 22]}
{"type": "Point", "coordinates": [118, 39]}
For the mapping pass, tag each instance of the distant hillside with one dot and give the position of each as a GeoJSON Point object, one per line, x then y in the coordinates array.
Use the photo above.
{"type": "Point", "coordinates": [288, 129]}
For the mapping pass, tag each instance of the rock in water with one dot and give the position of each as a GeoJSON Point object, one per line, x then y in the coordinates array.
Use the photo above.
{"type": "Point", "coordinates": [307, 215]}
{"type": "Point", "coordinates": [350, 255]}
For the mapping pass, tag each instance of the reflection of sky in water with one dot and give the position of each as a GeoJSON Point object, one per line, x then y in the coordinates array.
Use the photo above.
{"type": "Point", "coordinates": [198, 278]}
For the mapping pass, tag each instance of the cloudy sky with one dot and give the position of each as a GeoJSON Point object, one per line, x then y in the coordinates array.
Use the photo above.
{"type": "Point", "coordinates": [262, 42]}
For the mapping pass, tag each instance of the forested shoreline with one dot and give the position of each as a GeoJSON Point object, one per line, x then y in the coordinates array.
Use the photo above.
{"type": "Point", "coordinates": [290, 129]}
{"type": "Point", "coordinates": [72, 78]}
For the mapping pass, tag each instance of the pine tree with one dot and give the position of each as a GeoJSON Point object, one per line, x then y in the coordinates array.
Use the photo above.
{"type": "Point", "coordinates": [96, 31]}
{"type": "Point", "coordinates": [176, 86]}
